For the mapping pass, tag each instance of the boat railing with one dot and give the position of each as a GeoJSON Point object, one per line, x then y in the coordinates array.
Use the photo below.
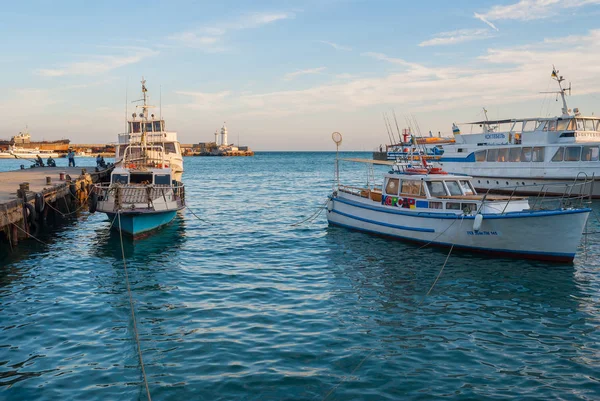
{"type": "Point", "coordinates": [363, 192]}
{"type": "Point", "coordinates": [139, 193]}
{"type": "Point", "coordinates": [552, 196]}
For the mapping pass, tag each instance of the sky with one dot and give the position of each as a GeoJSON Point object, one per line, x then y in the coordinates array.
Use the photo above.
{"type": "Point", "coordinates": [285, 74]}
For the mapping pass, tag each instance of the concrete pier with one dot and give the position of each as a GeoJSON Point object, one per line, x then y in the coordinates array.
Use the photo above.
{"type": "Point", "coordinates": [28, 196]}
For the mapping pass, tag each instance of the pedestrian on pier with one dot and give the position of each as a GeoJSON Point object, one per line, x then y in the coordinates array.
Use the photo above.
{"type": "Point", "coordinates": [71, 156]}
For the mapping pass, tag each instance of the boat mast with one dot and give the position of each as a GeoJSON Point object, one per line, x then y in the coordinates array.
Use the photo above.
{"type": "Point", "coordinates": [562, 92]}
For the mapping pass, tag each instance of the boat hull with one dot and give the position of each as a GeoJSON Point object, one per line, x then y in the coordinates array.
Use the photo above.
{"type": "Point", "coordinates": [138, 225]}
{"type": "Point", "coordinates": [542, 235]}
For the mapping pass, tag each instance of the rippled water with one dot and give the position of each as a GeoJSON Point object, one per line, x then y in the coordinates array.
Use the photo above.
{"type": "Point", "coordinates": [245, 306]}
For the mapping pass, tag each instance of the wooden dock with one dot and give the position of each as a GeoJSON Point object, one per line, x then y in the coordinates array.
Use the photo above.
{"type": "Point", "coordinates": [31, 197]}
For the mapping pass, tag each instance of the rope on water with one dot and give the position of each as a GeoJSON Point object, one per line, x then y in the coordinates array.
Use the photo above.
{"type": "Point", "coordinates": [312, 216]}
{"type": "Point", "coordinates": [346, 377]}
{"type": "Point", "coordinates": [438, 276]}
{"type": "Point", "coordinates": [137, 338]}
{"type": "Point", "coordinates": [196, 216]}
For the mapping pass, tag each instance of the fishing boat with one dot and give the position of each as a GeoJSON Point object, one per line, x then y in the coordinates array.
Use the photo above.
{"type": "Point", "coordinates": [422, 203]}
{"type": "Point", "coordinates": [531, 154]}
{"type": "Point", "coordinates": [143, 193]}
{"type": "Point", "coordinates": [153, 128]}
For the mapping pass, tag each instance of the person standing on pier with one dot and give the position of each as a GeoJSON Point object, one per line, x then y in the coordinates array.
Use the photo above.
{"type": "Point", "coordinates": [71, 156]}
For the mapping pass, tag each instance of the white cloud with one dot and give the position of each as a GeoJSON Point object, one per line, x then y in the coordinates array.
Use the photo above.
{"type": "Point", "coordinates": [310, 71]}
{"type": "Point", "coordinates": [459, 36]}
{"type": "Point", "coordinates": [335, 45]}
{"type": "Point", "coordinates": [96, 65]}
{"type": "Point", "coordinates": [526, 10]}
{"type": "Point", "coordinates": [210, 38]}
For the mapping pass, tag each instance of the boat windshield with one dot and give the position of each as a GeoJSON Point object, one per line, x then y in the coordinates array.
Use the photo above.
{"type": "Point", "coordinates": [436, 188]}
{"type": "Point", "coordinates": [466, 187]}
{"type": "Point", "coordinates": [453, 187]}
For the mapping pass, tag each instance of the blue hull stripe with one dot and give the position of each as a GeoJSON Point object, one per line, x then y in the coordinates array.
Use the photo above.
{"type": "Point", "coordinates": [140, 223]}
{"type": "Point", "coordinates": [423, 230]}
{"type": "Point", "coordinates": [509, 215]}
{"type": "Point", "coordinates": [541, 255]}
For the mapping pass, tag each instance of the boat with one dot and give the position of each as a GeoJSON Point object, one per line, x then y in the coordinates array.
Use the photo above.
{"type": "Point", "coordinates": [532, 154]}
{"type": "Point", "coordinates": [153, 128]}
{"type": "Point", "coordinates": [420, 202]}
{"type": "Point", "coordinates": [143, 193]}
{"type": "Point", "coordinates": [15, 152]}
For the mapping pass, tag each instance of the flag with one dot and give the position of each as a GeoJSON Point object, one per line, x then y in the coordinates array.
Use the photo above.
{"type": "Point", "coordinates": [553, 74]}
{"type": "Point", "coordinates": [455, 129]}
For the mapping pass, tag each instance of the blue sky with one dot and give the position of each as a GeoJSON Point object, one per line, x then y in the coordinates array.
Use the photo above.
{"type": "Point", "coordinates": [285, 74]}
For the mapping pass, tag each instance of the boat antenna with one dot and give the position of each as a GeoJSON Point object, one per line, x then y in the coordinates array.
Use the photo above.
{"type": "Point", "coordinates": [337, 138]}
{"type": "Point", "coordinates": [126, 122]}
{"type": "Point", "coordinates": [397, 128]}
{"type": "Point", "coordinates": [160, 102]}
{"type": "Point", "coordinates": [562, 91]}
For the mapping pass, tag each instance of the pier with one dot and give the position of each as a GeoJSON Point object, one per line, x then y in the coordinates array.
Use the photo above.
{"type": "Point", "coordinates": [29, 198]}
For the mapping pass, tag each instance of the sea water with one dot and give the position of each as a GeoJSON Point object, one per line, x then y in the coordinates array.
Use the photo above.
{"type": "Point", "coordinates": [246, 305]}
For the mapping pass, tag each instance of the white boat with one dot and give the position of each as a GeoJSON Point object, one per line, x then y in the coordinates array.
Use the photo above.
{"type": "Point", "coordinates": [154, 130]}
{"type": "Point", "coordinates": [532, 154]}
{"type": "Point", "coordinates": [427, 205]}
{"type": "Point", "coordinates": [15, 152]}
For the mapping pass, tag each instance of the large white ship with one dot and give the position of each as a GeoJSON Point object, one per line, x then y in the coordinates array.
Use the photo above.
{"type": "Point", "coordinates": [531, 154]}
{"type": "Point", "coordinates": [155, 132]}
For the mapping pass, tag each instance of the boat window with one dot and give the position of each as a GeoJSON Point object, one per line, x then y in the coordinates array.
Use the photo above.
{"type": "Point", "coordinates": [120, 178]}
{"type": "Point", "coordinates": [162, 179]}
{"type": "Point", "coordinates": [580, 125]}
{"type": "Point", "coordinates": [436, 205]}
{"type": "Point", "coordinates": [538, 154]}
{"type": "Point", "coordinates": [572, 154]}
{"type": "Point", "coordinates": [468, 207]}
{"type": "Point", "coordinates": [453, 206]}
{"type": "Point", "coordinates": [148, 127]}
{"type": "Point", "coordinates": [453, 187]}
{"type": "Point", "coordinates": [502, 155]}
{"type": "Point", "coordinates": [514, 155]}
{"type": "Point", "coordinates": [410, 187]}
{"type": "Point", "coordinates": [436, 188]}
{"type": "Point", "coordinates": [170, 147]}
{"type": "Point", "coordinates": [466, 187]}
{"type": "Point", "coordinates": [541, 126]}
{"type": "Point", "coordinates": [528, 126]}
{"type": "Point", "coordinates": [590, 125]}
{"type": "Point", "coordinates": [141, 178]}
{"type": "Point", "coordinates": [157, 126]}
{"type": "Point", "coordinates": [492, 155]}
{"type": "Point", "coordinates": [526, 154]}
{"type": "Point", "coordinates": [552, 126]}
{"type": "Point", "coordinates": [562, 124]}
{"type": "Point", "coordinates": [392, 186]}
{"type": "Point", "coordinates": [558, 156]}
{"type": "Point", "coordinates": [480, 155]}
{"type": "Point", "coordinates": [130, 130]}
{"type": "Point", "coordinates": [572, 126]}
{"type": "Point", "coordinates": [137, 127]}
{"type": "Point", "coordinates": [589, 154]}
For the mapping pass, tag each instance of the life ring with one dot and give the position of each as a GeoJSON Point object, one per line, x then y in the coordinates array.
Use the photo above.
{"type": "Point", "coordinates": [93, 202]}
{"type": "Point", "coordinates": [437, 170]}
{"type": "Point", "coordinates": [40, 203]}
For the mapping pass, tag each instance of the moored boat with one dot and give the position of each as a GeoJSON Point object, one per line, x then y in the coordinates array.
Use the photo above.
{"type": "Point", "coordinates": [422, 203]}
{"type": "Point", "coordinates": [532, 154]}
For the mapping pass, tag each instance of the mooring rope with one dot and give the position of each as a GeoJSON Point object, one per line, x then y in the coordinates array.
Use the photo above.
{"type": "Point", "coordinates": [82, 206]}
{"type": "Point", "coordinates": [28, 234]}
{"type": "Point", "coordinates": [8, 228]}
{"type": "Point", "coordinates": [346, 377]}
{"type": "Point", "coordinates": [312, 216]}
{"type": "Point", "coordinates": [196, 216]}
{"type": "Point", "coordinates": [137, 338]}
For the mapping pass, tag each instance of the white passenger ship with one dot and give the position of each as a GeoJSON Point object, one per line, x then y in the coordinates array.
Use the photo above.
{"type": "Point", "coordinates": [154, 131]}
{"type": "Point", "coordinates": [532, 154]}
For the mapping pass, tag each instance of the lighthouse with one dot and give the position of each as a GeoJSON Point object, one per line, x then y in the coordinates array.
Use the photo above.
{"type": "Point", "coordinates": [224, 135]}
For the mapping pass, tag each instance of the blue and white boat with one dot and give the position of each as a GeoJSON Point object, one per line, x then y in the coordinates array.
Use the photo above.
{"type": "Point", "coordinates": [426, 205]}
{"type": "Point", "coordinates": [144, 193]}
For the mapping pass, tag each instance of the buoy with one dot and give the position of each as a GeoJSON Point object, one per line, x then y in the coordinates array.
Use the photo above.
{"type": "Point", "coordinates": [477, 222]}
